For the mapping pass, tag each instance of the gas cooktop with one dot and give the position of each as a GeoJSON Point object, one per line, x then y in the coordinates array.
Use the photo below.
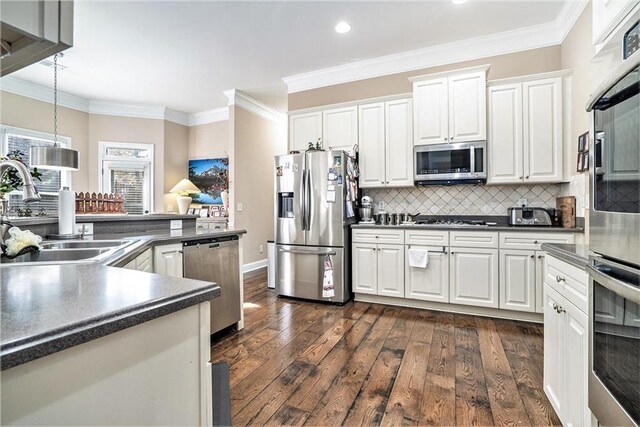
{"type": "Point", "coordinates": [453, 221]}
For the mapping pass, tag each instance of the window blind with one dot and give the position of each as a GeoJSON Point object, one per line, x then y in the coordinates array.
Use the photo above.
{"type": "Point", "coordinates": [129, 183]}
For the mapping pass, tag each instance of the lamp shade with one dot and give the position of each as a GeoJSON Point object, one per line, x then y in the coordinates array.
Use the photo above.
{"type": "Point", "coordinates": [185, 187]}
{"type": "Point", "coordinates": [56, 158]}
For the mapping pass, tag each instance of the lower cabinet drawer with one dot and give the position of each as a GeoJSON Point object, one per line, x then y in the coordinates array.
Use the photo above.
{"type": "Point", "coordinates": [378, 235]}
{"type": "Point", "coordinates": [532, 241]}
{"type": "Point", "coordinates": [426, 238]}
{"type": "Point", "coordinates": [474, 239]}
{"type": "Point", "coordinates": [571, 282]}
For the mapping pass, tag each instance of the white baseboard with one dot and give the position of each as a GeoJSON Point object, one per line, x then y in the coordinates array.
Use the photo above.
{"type": "Point", "coordinates": [254, 265]}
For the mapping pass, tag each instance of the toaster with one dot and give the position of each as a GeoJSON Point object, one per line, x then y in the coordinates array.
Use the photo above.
{"type": "Point", "coordinates": [531, 216]}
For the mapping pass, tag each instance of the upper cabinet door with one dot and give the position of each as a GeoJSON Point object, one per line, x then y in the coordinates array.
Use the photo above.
{"type": "Point", "coordinates": [467, 107]}
{"type": "Point", "coordinates": [371, 136]}
{"type": "Point", "coordinates": [340, 128]}
{"type": "Point", "coordinates": [303, 129]}
{"type": "Point", "coordinates": [399, 145]}
{"type": "Point", "coordinates": [504, 142]}
{"type": "Point", "coordinates": [542, 116]}
{"type": "Point", "coordinates": [430, 114]}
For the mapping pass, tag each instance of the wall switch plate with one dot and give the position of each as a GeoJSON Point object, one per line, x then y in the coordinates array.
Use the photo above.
{"type": "Point", "coordinates": [240, 207]}
{"type": "Point", "coordinates": [522, 202]}
{"type": "Point", "coordinates": [175, 224]}
{"type": "Point", "coordinates": [85, 228]}
{"type": "Point", "coordinates": [381, 205]}
{"type": "Point", "coordinates": [261, 248]}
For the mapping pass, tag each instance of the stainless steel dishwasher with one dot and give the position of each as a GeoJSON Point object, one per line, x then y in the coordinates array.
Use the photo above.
{"type": "Point", "coordinates": [217, 260]}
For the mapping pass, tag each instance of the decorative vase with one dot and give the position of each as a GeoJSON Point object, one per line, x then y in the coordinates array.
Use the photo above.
{"type": "Point", "coordinates": [183, 204]}
{"type": "Point", "coordinates": [224, 195]}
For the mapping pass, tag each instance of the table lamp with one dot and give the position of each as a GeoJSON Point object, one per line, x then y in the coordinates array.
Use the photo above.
{"type": "Point", "coordinates": [184, 188]}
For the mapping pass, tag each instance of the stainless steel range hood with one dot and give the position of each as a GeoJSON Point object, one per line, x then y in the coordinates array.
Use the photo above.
{"type": "Point", "coordinates": [32, 30]}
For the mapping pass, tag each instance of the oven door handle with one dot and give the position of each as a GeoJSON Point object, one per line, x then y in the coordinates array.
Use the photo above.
{"type": "Point", "coordinates": [619, 287]}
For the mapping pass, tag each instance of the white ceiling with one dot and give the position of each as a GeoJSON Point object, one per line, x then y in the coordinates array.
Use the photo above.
{"type": "Point", "coordinates": [183, 55]}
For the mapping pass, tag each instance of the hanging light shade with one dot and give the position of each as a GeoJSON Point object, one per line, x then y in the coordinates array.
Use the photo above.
{"type": "Point", "coordinates": [55, 157]}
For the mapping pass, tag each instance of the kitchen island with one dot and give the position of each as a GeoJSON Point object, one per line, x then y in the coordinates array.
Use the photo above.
{"type": "Point", "coordinates": [89, 343]}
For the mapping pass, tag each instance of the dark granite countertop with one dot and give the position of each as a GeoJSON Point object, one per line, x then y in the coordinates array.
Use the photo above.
{"type": "Point", "coordinates": [577, 255]}
{"type": "Point", "coordinates": [540, 229]}
{"type": "Point", "coordinates": [46, 309]}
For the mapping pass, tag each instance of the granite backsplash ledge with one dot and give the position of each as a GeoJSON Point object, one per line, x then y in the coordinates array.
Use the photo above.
{"type": "Point", "coordinates": [463, 199]}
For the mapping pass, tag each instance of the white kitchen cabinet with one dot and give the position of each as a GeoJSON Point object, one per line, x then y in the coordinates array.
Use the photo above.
{"type": "Point", "coordinates": [378, 269]}
{"type": "Point", "coordinates": [566, 340]}
{"type": "Point", "coordinates": [385, 143]}
{"type": "Point", "coordinates": [525, 135]}
{"type": "Point", "coordinates": [365, 271]}
{"type": "Point", "coordinates": [607, 14]}
{"type": "Point", "coordinates": [371, 136]}
{"type": "Point", "coordinates": [474, 276]}
{"type": "Point", "coordinates": [450, 107]}
{"type": "Point", "coordinates": [467, 107]}
{"type": "Point", "coordinates": [340, 128]}
{"type": "Point", "coordinates": [431, 283]}
{"type": "Point", "coordinates": [399, 143]}
{"type": "Point", "coordinates": [542, 127]}
{"type": "Point", "coordinates": [167, 260]}
{"type": "Point", "coordinates": [304, 128]}
{"type": "Point", "coordinates": [431, 111]}
{"type": "Point", "coordinates": [143, 262]}
{"type": "Point", "coordinates": [390, 263]}
{"type": "Point", "coordinates": [505, 154]}
{"type": "Point", "coordinates": [540, 256]}
{"type": "Point", "coordinates": [518, 280]}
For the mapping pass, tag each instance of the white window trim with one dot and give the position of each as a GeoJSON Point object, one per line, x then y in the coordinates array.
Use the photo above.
{"type": "Point", "coordinates": [63, 141]}
{"type": "Point", "coordinates": [118, 160]}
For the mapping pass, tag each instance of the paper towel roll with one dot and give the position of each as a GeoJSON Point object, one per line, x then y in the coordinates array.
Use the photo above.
{"type": "Point", "coordinates": [66, 211]}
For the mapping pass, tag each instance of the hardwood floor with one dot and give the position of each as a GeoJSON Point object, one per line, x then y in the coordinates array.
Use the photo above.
{"type": "Point", "coordinates": [299, 363]}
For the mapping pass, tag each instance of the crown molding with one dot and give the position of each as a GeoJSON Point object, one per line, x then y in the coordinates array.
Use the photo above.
{"type": "Point", "coordinates": [209, 116]}
{"type": "Point", "coordinates": [521, 39]}
{"type": "Point", "coordinates": [94, 106]}
{"type": "Point", "coordinates": [246, 102]}
{"type": "Point", "coordinates": [42, 93]}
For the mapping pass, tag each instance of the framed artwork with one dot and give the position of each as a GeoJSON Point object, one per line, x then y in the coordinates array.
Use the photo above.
{"type": "Point", "coordinates": [190, 211]}
{"type": "Point", "coordinates": [204, 212]}
{"type": "Point", "coordinates": [211, 176]}
{"type": "Point", "coordinates": [582, 162]}
{"type": "Point", "coordinates": [196, 211]}
{"type": "Point", "coordinates": [213, 210]}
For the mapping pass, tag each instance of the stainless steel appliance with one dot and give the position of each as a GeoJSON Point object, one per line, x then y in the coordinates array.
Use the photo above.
{"type": "Point", "coordinates": [313, 218]}
{"type": "Point", "coordinates": [217, 260]}
{"type": "Point", "coordinates": [460, 163]}
{"type": "Point", "coordinates": [366, 210]}
{"type": "Point", "coordinates": [531, 216]}
{"type": "Point", "coordinates": [614, 228]}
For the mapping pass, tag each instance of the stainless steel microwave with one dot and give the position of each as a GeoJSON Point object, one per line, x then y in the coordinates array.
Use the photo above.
{"type": "Point", "coordinates": [445, 164]}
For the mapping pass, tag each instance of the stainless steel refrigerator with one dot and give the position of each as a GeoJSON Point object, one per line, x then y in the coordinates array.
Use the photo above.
{"type": "Point", "coordinates": [314, 211]}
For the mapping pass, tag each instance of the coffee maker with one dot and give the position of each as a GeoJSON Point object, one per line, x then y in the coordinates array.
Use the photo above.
{"type": "Point", "coordinates": [366, 210]}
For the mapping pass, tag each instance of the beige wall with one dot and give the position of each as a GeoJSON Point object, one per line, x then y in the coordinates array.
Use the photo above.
{"type": "Point", "coordinates": [31, 114]}
{"type": "Point", "coordinates": [256, 141]}
{"type": "Point", "coordinates": [176, 160]}
{"type": "Point", "coordinates": [502, 66]}
{"type": "Point", "coordinates": [576, 53]}
{"type": "Point", "coordinates": [209, 141]}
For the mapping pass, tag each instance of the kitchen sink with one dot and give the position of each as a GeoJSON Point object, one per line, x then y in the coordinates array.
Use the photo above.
{"type": "Point", "coordinates": [56, 256]}
{"type": "Point", "coordinates": [84, 244]}
{"type": "Point", "coordinates": [71, 251]}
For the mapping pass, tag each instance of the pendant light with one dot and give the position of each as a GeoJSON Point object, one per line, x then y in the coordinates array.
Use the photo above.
{"type": "Point", "coordinates": [55, 157]}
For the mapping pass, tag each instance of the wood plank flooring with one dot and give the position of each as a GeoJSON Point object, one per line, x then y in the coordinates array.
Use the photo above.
{"type": "Point", "coordinates": [301, 363]}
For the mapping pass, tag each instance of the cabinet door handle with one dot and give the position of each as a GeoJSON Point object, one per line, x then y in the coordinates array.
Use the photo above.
{"type": "Point", "coordinates": [559, 279]}
{"type": "Point", "coordinates": [555, 306]}
{"type": "Point", "coordinates": [452, 253]}
{"type": "Point", "coordinates": [521, 177]}
{"type": "Point", "coordinates": [533, 256]}
{"type": "Point", "coordinates": [540, 256]}
{"type": "Point", "coordinates": [526, 177]}
{"type": "Point", "coordinates": [535, 241]}
{"type": "Point", "coordinates": [452, 138]}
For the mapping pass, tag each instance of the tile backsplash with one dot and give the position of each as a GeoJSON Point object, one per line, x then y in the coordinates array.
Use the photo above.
{"type": "Point", "coordinates": [463, 199]}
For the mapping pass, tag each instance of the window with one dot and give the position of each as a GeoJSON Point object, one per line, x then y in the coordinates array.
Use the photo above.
{"type": "Point", "coordinates": [22, 140]}
{"type": "Point", "coordinates": [127, 169]}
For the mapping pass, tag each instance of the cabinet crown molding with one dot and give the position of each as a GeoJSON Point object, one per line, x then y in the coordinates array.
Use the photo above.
{"type": "Point", "coordinates": [424, 77]}
{"type": "Point", "coordinates": [530, 77]}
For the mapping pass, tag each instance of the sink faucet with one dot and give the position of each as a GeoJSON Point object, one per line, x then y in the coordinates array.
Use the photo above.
{"type": "Point", "coordinates": [29, 194]}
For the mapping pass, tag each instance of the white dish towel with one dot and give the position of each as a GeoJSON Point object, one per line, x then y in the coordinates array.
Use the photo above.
{"type": "Point", "coordinates": [327, 282]}
{"type": "Point", "coordinates": [418, 258]}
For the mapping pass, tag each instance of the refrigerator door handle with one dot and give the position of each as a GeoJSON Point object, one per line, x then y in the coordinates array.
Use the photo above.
{"type": "Point", "coordinates": [304, 199]}
{"type": "Point", "coordinates": [308, 201]}
{"type": "Point", "coordinates": [307, 252]}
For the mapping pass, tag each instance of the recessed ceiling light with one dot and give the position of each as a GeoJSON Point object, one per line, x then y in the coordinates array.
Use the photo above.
{"type": "Point", "coordinates": [343, 27]}
{"type": "Point", "coordinates": [458, 1]}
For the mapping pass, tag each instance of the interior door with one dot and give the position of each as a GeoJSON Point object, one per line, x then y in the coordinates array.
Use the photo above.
{"type": "Point", "coordinates": [325, 181]}
{"type": "Point", "coordinates": [289, 186]}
